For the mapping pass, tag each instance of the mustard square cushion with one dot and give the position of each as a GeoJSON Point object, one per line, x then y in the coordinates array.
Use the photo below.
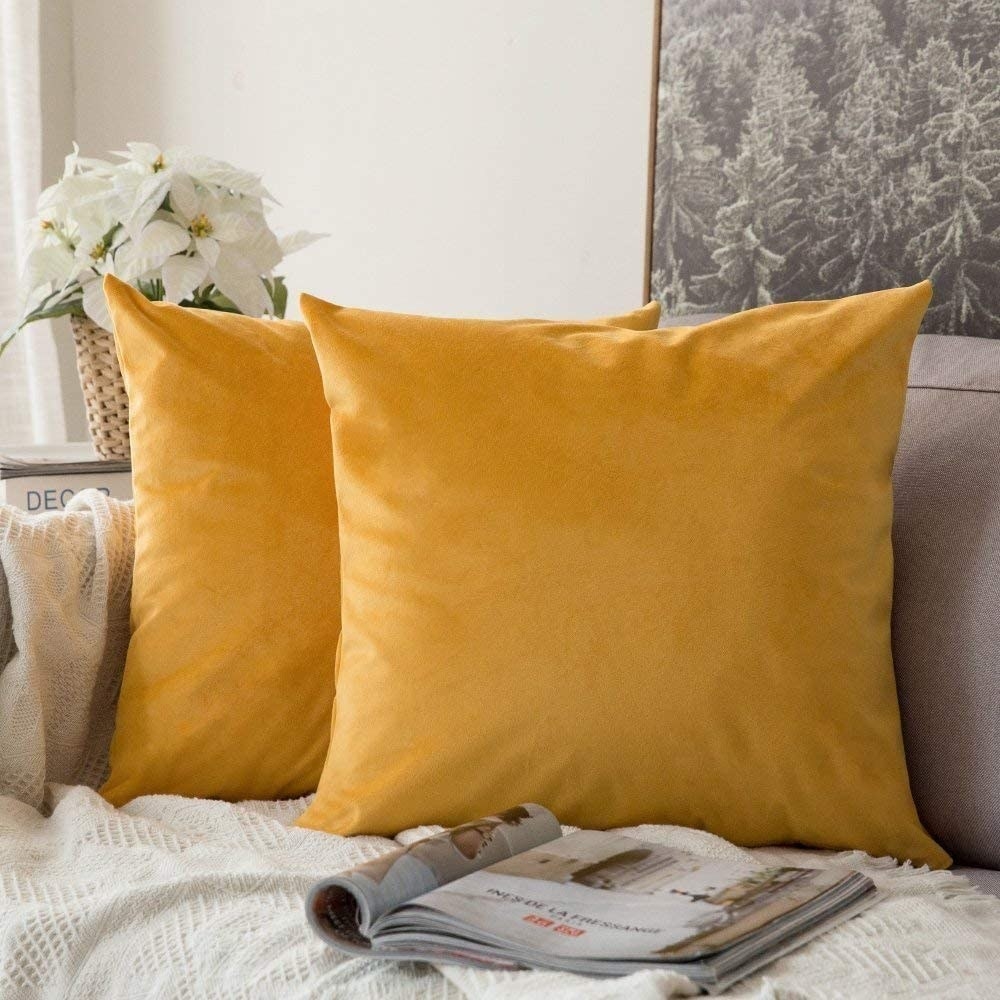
{"type": "Point", "coordinates": [229, 677]}
{"type": "Point", "coordinates": [636, 577]}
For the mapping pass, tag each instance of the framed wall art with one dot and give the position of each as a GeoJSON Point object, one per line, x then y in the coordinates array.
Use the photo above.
{"type": "Point", "coordinates": [809, 149]}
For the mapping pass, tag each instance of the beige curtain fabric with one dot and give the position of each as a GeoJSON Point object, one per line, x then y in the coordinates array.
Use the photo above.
{"type": "Point", "coordinates": [31, 409]}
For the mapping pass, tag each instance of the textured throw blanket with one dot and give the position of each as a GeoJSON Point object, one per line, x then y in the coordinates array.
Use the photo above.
{"type": "Point", "coordinates": [183, 898]}
{"type": "Point", "coordinates": [65, 581]}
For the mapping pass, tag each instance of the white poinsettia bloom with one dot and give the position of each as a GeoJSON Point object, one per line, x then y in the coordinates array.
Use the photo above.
{"type": "Point", "coordinates": [182, 275]}
{"type": "Point", "coordinates": [74, 163]}
{"type": "Point", "coordinates": [47, 269]}
{"type": "Point", "coordinates": [97, 233]}
{"type": "Point", "coordinates": [64, 200]}
{"type": "Point", "coordinates": [145, 178]}
{"type": "Point", "coordinates": [298, 240]}
{"type": "Point", "coordinates": [149, 250]}
{"type": "Point", "coordinates": [60, 207]}
{"type": "Point", "coordinates": [261, 247]}
{"type": "Point", "coordinates": [145, 156]}
{"type": "Point", "coordinates": [159, 169]}
{"type": "Point", "coordinates": [95, 305]}
{"type": "Point", "coordinates": [230, 237]}
{"type": "Point", "coordinates": [177, 225]}
{"type": "Point", "coordinates": [210, 219]}
{"type": "Point", "coordinates": [90, 283]}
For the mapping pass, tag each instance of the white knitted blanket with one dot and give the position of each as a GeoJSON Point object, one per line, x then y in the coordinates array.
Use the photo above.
{"type": "Point", "coordinates": [65, 582]}
{"type": "Point", "coordinates": [183, 898]}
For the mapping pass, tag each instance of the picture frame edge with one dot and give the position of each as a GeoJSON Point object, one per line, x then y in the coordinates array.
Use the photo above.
{"type": "Point", "coordinates": [651, 153]}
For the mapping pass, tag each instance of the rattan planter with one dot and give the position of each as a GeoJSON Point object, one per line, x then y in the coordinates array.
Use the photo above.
{"type": "Point", "coordinates": [103, 388]}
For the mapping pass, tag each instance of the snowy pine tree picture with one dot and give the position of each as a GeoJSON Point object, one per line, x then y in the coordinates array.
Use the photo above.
{"type": "Point", "coordinates": [817, 148]}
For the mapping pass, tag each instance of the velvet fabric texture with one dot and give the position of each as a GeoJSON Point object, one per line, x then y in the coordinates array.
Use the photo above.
{"type": "Point", "coordinates": [235, 612]}
{"type": "Point", "coordinates": [235, 597]}
{"type": "Point", "coordinates": [635, 577]}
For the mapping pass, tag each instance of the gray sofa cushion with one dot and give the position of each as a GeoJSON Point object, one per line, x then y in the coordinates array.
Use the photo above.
{"type": "Point", "coordinates": [984, 879]}
{"type": "Point", "coordinates": [946, 615]}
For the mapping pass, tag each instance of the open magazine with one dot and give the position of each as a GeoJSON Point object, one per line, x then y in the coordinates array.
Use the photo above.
{"type": "Point", "coordinates": [510, 891]}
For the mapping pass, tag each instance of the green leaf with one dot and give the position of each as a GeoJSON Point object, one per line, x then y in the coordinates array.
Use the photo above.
{"type": "Point", "coordinates": [69, 307]}
{"type": "Point", "coordinates": [151, 289]}
{"type": "Point", "coordinates": [278, 291]}
{"type": "Point", "coordinates": [63, 309]}
{"type": "Point", "coordinates": [8, 338]}
{"type": "Point", "coordinates": [212, 298]}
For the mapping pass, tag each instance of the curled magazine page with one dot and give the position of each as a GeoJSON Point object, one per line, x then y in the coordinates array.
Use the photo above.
{"type": "Point", "coordinates": [344, 907]}
{"type": "Point", "coordinates": [592, 898]}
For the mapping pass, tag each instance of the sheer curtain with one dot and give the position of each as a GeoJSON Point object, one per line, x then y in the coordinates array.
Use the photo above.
{"type": "Point", "coordinates": [31, 409]}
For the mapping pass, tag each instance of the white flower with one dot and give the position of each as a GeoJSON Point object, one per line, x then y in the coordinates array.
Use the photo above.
{"type": "Point", "coordinates": [48, 266]}
{"type": "Point", "coordinates": [148, 158]}
{"type": "Point", "coordinates": [181, 276]}
{"type": "Point", "coordinates": [149, 251]}
{"type": "Point", "coordinates": [94, 303]}
{"type": "Point", "coordinates": [145, 180]}
{"type": "Point", "coordinates": [230, 239]}
{"type": "Point", "coordinates": [209, 219]}
{"type": "Point", "coordinates": [298, 240]}
{"type": "Point", "coordinates": [158, 170]}
{"type": "Point", "coordinates": [177, 225]}
{"type": "Point", "coordinates": [74, 163]}
{"type": "Point", "coordinates": [97, 232]}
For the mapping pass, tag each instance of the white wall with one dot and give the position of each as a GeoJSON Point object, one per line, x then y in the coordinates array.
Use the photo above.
{"type": "Point", "coordinates": [468, 156]}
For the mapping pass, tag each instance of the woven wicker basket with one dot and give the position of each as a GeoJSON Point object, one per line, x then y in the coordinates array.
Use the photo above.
{"type": "Point", "coordinates": [103, 388]}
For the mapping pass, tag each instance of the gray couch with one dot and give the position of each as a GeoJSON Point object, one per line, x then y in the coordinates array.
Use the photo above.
{"type": "Point", "coordinates": [946, 606]}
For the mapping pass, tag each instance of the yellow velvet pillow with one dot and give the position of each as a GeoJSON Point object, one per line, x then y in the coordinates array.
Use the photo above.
{"type": "Point", "coordinates": [634, 577]}
{"type": "Point", "coordinates": [236, 592]}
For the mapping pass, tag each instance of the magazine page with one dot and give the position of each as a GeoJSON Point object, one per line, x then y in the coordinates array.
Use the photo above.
{"type": "Point", "coordinates": [603, 896]}
{"type": "Point", "coordinates": [345, 906]}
